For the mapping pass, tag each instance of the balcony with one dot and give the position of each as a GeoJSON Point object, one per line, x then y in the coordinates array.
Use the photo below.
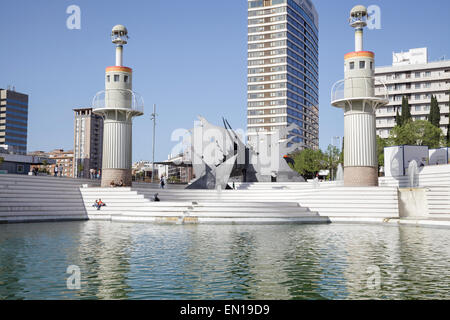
{"type": "Point", "coordinates": [114, 100]}
{"type": "Point", "coordinates": [345, 91]}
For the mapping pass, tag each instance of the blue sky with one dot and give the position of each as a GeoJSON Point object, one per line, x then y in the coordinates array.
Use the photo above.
{"type": "Point", "coordinates": [189, 57]}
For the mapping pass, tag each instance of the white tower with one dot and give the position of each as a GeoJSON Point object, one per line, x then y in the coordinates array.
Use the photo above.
{"type": "Point", "coordinates": [356, 95]}
{"type": "Point", "coordinates": [118, 104]}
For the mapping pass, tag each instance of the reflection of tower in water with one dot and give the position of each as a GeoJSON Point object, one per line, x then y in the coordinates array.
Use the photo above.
{"type": "Point", "coordinates": [105, 260]}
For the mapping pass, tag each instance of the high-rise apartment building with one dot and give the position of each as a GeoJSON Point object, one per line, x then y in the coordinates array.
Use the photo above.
{"type": "Point", "coordinates": [283, 69]}
{"type": "Point", "coordinates": [88, 142]}
{"type": "Point", "coordinates": [411, 75]}
{"type": "Point", "coordinates": [13, 120]}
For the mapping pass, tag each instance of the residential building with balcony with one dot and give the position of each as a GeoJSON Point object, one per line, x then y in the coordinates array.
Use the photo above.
{"type": "Point", "coordinates": [413, 76]}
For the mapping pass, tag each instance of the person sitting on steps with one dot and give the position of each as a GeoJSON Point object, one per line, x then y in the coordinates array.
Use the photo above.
{"type": "Point", "coordinates": [155, 198]}
{"type": "Point", "coordinates": [100, 204]}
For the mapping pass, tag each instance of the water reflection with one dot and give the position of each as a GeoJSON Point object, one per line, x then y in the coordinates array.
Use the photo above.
{"type": "Point", "coordinates": [144, 261]}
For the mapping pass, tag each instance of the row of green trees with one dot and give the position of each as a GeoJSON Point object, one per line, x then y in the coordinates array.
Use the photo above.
{"type": "Point", "coordinates": [434, 116]}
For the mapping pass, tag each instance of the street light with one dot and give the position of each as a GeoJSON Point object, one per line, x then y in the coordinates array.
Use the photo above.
{"type": "Point", "coordinates": [153, 118]}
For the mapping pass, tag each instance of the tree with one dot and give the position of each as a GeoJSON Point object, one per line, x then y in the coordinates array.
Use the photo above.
{"type": "Point", "coordinates": [332, 157]}
{"type": "Point", "coordinates": [308, 162]}
{"type": "Point", "coordinates": [1, 160]}
{"type": "Point", "coordinates": [381, 144]}
{"type": "Point", "coordinates": [398, 119]}
{"type": "Point", "coordinates": [447, 139]}
{"type": "Point", "coordinates": [341, 156]}
{"type": "Point", "coordinates": [406, 111]}
{"type": "Point", "coordinates": [419, 132]}
{"type": "Point", "coordinates": [448, 125]}
{"type": "Point", "coordinates": [435, 113]}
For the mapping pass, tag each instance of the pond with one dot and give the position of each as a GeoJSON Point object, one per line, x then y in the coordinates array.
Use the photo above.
{"type": "Point", "coordinates": [147, 261]}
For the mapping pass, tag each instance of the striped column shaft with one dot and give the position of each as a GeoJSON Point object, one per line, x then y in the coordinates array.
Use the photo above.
{"type": "Point", "coordinates": [360, 140]}
{"type": "Point", "coordinates": [117, 144]}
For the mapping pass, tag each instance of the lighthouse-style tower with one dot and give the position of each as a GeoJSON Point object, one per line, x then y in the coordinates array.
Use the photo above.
{"type": "Point", "coordinates": [118, 105]}
{"type": "Point", "coordinates": [356, 95]}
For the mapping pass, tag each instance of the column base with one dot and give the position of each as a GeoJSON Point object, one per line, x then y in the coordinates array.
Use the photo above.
{"type": "Point", "coordinates": [116, 175]}
{"type": "Point", "coordinates": [361, 177]}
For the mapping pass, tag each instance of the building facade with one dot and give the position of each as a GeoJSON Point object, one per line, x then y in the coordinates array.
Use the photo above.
{"type": "Point", "coordinates": [58, 158]}
{"type": "Point", "coordinates": [283, 69]}
{"type": "Point", "coordinates": [411, 75]}
{"type": "Point", "coordinates": [88, 142]}
{"type": "Point", "coordinates": [13, 120]}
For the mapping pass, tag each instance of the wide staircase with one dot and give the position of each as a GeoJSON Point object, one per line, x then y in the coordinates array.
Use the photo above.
{"type": "Point", "coordinates": [326, 200]}
{"type": "Point", "coordinates": [286, 185]}
{"type": "Point", "coordinates": [137, 205]}
{"type": "Point", "coordinates": [438, 175]}
{"type": "Point", "coordinates": [41, 198]}
{"type": "Point", "coordinates": [438, 199]}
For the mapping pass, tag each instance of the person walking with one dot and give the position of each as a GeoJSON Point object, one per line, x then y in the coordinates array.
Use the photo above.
{"type": "Point", "coordinates": [55, 170]}
{"type": "Point", "coordinates": [60, 170]}
{"type": "Point", "coordinates": [162, 182]}
{"type": "Point", "coordinates": [98, 174]}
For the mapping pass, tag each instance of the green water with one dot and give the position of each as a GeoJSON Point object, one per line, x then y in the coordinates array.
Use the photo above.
{"type": "Point", "coordinates": [145, 261]}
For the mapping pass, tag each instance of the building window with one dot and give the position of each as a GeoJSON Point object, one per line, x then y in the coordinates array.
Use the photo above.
{"type": "Point", "coordinates": [352, 65]}
{"type": "Point", "coordinates": [125, 79]}
{"type": "Point", "coordinates": [108, 78]}
{"type": "Point", "coordinates": [116, 78]}
{"type": "Point", "coordinates": [417, 75]}
{"type": "Point", "coordinates": [20, 168]}
{"type": "Point", "coordinates": [362, 64]}
{"type": "Point", "coordinates": [371, 65]}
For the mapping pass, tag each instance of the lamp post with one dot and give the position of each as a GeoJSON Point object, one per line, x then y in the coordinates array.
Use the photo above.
{"type": "Point", "coordinates": [153, 118]}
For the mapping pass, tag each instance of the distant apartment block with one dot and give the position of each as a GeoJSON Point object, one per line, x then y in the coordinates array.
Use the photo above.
{"type": "Point", "coordinates": [411, 75]}
{"type": "Point", "coordinates": [283, 69]}
{"type": "Point", "coordinates": [88, 142]}
{"type": "Point", "coordinates": [13, 120]}
{"type": "Point", "coordinates": [59, 158]}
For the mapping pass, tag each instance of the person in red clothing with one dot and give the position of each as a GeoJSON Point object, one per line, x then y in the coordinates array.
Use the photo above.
{"type": "Point", "coordinates": [100, 204]}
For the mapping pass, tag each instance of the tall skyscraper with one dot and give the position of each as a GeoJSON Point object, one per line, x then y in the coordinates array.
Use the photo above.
{"type": "Point", "coordinates": [283, 69]}
{"type": "Point", "coordinates": [413, 76]}
{"type": "Point", "coordinates": [88, 142]}
{"type": "Point", "coordinates": [14, 120]}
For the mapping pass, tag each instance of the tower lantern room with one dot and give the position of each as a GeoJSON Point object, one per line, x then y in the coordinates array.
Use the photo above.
{"type": "Point", "coordinates": [358, 20]}
{"type": "Point", "coordinates": [119, 36]}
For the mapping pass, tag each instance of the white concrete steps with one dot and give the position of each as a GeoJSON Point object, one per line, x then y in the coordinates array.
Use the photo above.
{"type": "Point", "coordinates": [427, 177]}
{"type": "Point", "coordinates": [438, 201]}
{"type": "Point", "coordinates": [330, 201]}
{"type": "Point", "coordinates": [284, 185]}
{"type": "Point", "coordinates": [44, 180]}
{"type": "Point", "coordinates": [190, 211]}
{"type": "Point", "coordinates": [38, 198]}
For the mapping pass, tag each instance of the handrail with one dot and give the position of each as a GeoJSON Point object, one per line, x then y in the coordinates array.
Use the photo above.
{"type": "Point", "coordinates": [136, 102]}
{"type": "Point", "coordinates": [338, 89]}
